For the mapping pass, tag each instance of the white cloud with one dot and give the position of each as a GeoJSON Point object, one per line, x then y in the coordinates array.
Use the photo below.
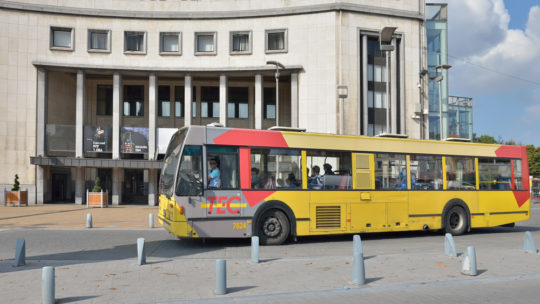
{"type": "Point", "coordinates": [488, 56]}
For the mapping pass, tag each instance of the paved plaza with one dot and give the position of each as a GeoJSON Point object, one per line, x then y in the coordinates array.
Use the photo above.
{"type": "Point", "coordinates": [99, 265]}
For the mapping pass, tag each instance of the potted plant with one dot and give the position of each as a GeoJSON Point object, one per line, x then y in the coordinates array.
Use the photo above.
{"type": "Point", "coordinates": [96, 197]}
{"type": "Point", "coordinates": [16, 196]}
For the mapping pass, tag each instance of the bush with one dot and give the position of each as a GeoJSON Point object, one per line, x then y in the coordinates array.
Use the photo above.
{"type": "Point", "coordinates": [16, 183]}
{"type": "Point", "coordinates": [97, 185]}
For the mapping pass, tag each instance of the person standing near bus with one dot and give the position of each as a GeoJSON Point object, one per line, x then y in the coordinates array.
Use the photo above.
{"type": "Point", "coordinates": [214, 175]}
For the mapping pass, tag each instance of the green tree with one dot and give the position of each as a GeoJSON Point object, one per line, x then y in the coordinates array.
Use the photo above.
{"type": "Point", "coordinates": [484, 139]}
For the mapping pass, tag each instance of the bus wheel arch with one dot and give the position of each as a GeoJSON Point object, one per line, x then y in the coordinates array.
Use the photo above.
{"type": "Point", "coordinates": [456, 217]}
{"type": "Point", "coordinates": [275, 210]}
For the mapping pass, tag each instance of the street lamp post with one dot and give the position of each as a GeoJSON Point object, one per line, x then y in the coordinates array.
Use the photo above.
{"type": "Point", "coordinates": [278, 66]}
{"type": "Point", "coordinates": [439, 80]}
{"type": "Point", "coordinates": [385, 40]}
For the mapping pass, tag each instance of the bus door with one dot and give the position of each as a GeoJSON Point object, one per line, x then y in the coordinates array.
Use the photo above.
{"type": "Point", "coordinates": [224, 202]}
{"type": "Point", "coordinates": [383, 197]}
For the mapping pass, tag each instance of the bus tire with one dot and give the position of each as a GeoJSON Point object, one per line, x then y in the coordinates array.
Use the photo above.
{"type": "Point", "coordinates": [456, 221]}
{"type": "Point", "coordinates": [274, 227]}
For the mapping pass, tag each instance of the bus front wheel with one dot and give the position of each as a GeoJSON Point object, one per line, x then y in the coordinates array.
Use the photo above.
{"type": "Point", "coordinates": [456, 221]}
{"type": "Point", "coordinates": [274, 227]}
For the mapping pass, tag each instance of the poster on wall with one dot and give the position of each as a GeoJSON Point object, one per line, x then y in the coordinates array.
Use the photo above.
{"type": "Point", "coordinates": [134, 140]}
{"type": "Point", "coordinates": [97, 139]}
{"type": "Point", "coordinates": [164, 136]}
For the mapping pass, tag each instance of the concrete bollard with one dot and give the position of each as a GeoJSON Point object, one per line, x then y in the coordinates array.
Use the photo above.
{"type": "Point", "coordinates": [357, 244]}
{"type": "Point", "coordinates": [141, 254]}
{"type": "Point", "coordinates": [529, 245]}
{"type": "Point", "coordinates": [255, 249]}
{"type": "Point", "coordinates": [358, 270]}
{"type": "Point", "coordinates": [221, 277]}
{"type": "Point", "coordinates": [151, 220]}
{"type": "Point", "coordinates": [468, 267]}
{"type": "Point", "coordinates": [20, 253]}
{"type": "Point", "coordinates": [449, 245]}
{"type": "Point", "coordinates": [47, 285]}
{"type": "Point", "coordinates": [89, 220]}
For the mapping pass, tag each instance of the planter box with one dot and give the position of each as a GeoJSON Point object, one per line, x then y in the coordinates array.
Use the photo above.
{"type": "Point", "coordinates": [16, 198]}
{"type": "Point", "coordinates": [97, 199]}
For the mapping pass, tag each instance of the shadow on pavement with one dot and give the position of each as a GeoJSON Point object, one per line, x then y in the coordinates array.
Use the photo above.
{"type": "Point", "coordinates": [74, 299]}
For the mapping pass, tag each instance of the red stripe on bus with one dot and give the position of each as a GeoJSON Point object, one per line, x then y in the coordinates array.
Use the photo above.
{"type": "Point", "coordinates": [255, 197]}
{"type": "Point", "coordinates": [245, 168]}
{"type": "Point", "coordinates": [521, 197]}
{"type": "Point", "coordinates": [254, 138]}
{"type": "Point", "coordinates": [509, 151]}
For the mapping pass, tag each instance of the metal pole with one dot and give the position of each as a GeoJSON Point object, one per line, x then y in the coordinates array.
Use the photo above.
{"type": "Point", "coordinates": [440, 110]}
{"type": "Point", "coordinates": [221, 277]}
{"type": "Point", "coordinates": [341, 114]}
{"type": "Point", "coordinates": [387, 93]}
{"type": "Point", "coordinates": [47, 285]}
{"type": "Point", "coordinates": [277, 95]}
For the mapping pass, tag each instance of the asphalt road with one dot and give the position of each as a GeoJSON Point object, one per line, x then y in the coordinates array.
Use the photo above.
{"type": "Point", "coordinates": [401, 267]}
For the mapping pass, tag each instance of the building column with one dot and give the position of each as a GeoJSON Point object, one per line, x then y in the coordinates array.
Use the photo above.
{"type": "Point", "coordinates": [116, 186]}
{"type": "Point", "coordinates": [152, 187]}
{"type": "Point", "coordinates": [393, 90]}
{"type": "Point", "coordinates": [117, 114]}
{"type": "Point", "coordinates": [294, 100]}
{"type": "Point", "coordinates": [223, 99]}
{"type": "Point", "coordinates": [41, 125]}
{"type": "Point", "coordinates": [79, 114]}
{"type": "Point", "coordinates": [363, 129]}
{"type": "Point", "coordinates": [258, 101]}
{"type": "Point", "coordinates": [152, 116]}
{"type": "Point", "coordinates": [80, 192]}
{"type": "Point", "coordinates": [188, 91]}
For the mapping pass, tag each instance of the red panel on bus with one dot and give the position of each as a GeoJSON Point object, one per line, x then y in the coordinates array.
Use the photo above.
{"type": "Point", "coordinates": [254, 138]}
{"type": "Point", "coordinates": [519, 152]}
{"type": "Point", "coordinates": [255, 197]}
{"type": "Point", "coordinates": [245, 168]}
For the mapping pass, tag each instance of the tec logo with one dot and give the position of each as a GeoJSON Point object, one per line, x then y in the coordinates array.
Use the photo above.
{"type": "Point", "coordinates": [224, 205]}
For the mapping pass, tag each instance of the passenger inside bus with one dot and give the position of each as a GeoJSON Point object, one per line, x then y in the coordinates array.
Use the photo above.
{"type": "Point", "coordinates": [214, 174]}
{"type": "Point", "coordinates": [255, 178]}
{"type": "Point", "coordinates": [292, 182]}
{"type": "Point", "coordinates": [315, 181]}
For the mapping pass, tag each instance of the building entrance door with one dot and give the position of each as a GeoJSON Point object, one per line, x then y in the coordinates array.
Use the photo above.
{"type": "Point", "coordinates": [59, 187]}
{"type": "Point", "coordinates": [134, 187]}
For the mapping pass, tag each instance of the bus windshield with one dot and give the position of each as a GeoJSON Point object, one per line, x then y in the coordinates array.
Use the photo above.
{"type": "Point", "coordinates": [170, 165]}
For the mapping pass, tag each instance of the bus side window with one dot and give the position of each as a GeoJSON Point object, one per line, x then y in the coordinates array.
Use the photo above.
{"type": "Point", "coordinates": [227, 165]}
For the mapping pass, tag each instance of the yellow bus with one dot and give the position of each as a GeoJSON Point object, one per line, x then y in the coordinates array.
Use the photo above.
{"type": "Point", "coordinates": [236, 183]}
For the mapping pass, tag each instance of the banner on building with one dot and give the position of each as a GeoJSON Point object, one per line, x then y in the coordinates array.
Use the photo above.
{"type": "Point", "coordinates": [134, 140]}
{"type": "Point", "coordinates": [164, 137]}
{"type": "Point", "coordinates": [97, 139]}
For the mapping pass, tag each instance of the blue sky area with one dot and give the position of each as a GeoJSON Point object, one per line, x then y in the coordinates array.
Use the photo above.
{"type": "Point", "coordinates": [494, 50]}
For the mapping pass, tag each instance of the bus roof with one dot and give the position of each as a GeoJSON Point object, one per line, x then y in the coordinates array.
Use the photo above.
{"type": "Point", "coordinates": [301, 140]}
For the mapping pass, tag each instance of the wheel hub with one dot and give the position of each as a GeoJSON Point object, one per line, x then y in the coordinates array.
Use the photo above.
{"type": "Point", "coordinates": [271, 227]}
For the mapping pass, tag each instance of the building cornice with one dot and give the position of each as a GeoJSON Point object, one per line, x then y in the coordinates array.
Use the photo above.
{"type": "Point", "coordinates": [205, 15]}
{"type": "Point", "coordinates": [182, 70]}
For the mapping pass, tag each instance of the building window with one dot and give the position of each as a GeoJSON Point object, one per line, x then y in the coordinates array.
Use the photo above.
{"type": "Point", "coordinates": [240, 42]}
{"type": "Point", "coordinates": [237, 107]}
{"type": "Point", "coordinates": [276, 41]}
{"type": "Point", "coordinates": [375, 102]}
{"type": "Point", "coordinates": [133, 100]}
{"type": "Point", "coordinates": [164, 101]}
{"type": "Point", "coordinates": [135, 42]}
{"type": "Point", "coordinates": [104, 99]}
{"type": "Point", "coordinates": [99, 41]}
{"type": "Point", "coordinates": [179, 96]}
{"type": "Point", "coordinates": [209, 101]}
{"type": "Point", "coordinates": [170, 43]}
{"type": "Point", "coordinates": [205, 43]}
{"type": "Point", "coordinates": [269, 103]}
{"type": "Point", "coordinates": [61, 38]}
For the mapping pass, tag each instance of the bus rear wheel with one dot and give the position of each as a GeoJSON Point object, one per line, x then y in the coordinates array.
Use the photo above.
{"type": "Point", "coordinates": [456, 221]}
{"type": "Point", "coordinates": [274, 227]}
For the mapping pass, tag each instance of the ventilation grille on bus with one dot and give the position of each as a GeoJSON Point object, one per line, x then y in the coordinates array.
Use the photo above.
{"type": "Point", "coordinates": [328, 217]}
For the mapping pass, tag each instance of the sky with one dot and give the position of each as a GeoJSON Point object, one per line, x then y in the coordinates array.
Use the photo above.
{"type": "Point", "coordinates": [494, 50]}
